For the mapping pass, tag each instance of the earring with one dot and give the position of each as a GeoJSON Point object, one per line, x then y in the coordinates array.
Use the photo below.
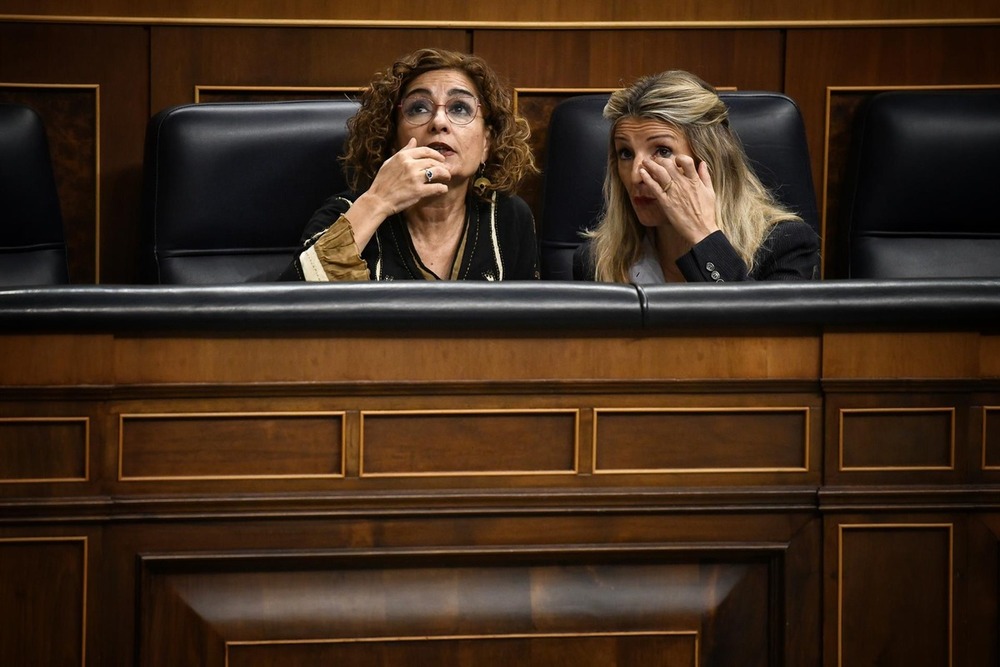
{"type": "Point", "coordinates": [482, 183]}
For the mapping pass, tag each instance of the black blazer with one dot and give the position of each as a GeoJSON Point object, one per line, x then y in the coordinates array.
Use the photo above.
{"type": "Point", "coordinates": [789, 252]}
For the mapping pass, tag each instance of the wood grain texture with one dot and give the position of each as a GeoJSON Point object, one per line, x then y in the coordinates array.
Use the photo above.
{"type": "Point", "coordinates": [546, 10]}
{"type": "Point", "coordinates": [184, 57]}
{"type": "Point", "coordinates": [43, 586]}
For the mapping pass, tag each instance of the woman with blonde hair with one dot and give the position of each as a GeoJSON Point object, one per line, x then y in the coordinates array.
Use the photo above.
{"type": "Point", "coordinates": [433, 158]}
{"type": "Point", "coordinates": [681, 201]}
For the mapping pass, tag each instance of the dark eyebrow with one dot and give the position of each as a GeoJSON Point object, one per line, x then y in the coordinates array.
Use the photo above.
{"type": "Point", "coordinates": [451, 93]}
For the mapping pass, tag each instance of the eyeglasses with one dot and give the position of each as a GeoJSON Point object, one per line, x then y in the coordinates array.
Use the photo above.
{"type": "Point", "coordinates": [418, 110]}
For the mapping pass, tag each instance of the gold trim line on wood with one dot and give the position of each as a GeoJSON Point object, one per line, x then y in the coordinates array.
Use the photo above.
{"type": "Point", "coordinates": [470, 473]}
{"type": "Point", "coordinates": [96, 87]}
{"type": "Point", "coordinates": [234, 415]}
{"type": "Point", "coordinates": [86, 450]}
{"type": "Point", "coordinates": [842, 527]}
{"type": "Point", "coordinates": [986, 410]}
{"type": "Point", "coordinates": [510, 25]}
{"type": "Point", "coordinates": [687, 471]}
{"type": "Point", "coordinates": [415, 638]}
{"type": "Point", "coordinates": [83, 592]}
{"type": "Point", "coordinates": [840, 441]}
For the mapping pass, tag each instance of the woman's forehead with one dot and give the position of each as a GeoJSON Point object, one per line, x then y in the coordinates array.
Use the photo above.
{"type": "Point", "coordinates": [442, 82]}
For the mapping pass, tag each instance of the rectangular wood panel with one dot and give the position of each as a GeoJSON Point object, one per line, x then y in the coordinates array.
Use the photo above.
{"type": "Point", "coordinates": [897, 439]}
{"type": "Point", "coordinates": [894, 608]}
{"type": "Point", "coordinates": [231, 445]}
{"type": "Point", "coordinates": [702, 440]}
{"type": "Point", "coordinates": [44, 449]}
{"type": "Point", "coordinates": [43, 591]}
{"type": "Point", "coordinates": [991, 438]}
{"type": "Point", "coordinates": [460, 442]}
{"type": "Point", "coordinates": [448, 607]}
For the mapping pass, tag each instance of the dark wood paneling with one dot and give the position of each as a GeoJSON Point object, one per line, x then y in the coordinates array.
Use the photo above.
{"type": "Point", "coordinates": [115, 59]}
{"type": "Point", "coordinates": [182, 58]}
{"type": "Point", "coordinates": [892, 608]}
{"type": "Point", "coordinates": [897, 438]}
{"type": "Point", "coordinates": [43, 583]}
{"type": "Point", "coordinates": [618, 607]}
{"type": "Point", "coordinates": [818, 60]}
{"type": "Point", "coordinates": [43, 448]}
{"type": "Point", "coordinates": [466, 442]}
{"type": "Point", "coordinates": [991, 437]}
{"type": "Point", "coordinates": [221, 445]}
{"type": "Point", "coordinates": [706, 440]}
{"type": "Point", "coordinates": [458, 10]}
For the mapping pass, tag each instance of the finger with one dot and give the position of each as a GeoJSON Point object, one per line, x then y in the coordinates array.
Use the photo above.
{"type": "Point", "coordinates": [705, 174]}
{"type": "Point", "coordinates": [653, 183]}
{"type": "Point", "coordinates": [659, 173]}
{"type": "Point", "coordinates": [685, 165]}
{"type": "Point", "coordinates": [434, 174]}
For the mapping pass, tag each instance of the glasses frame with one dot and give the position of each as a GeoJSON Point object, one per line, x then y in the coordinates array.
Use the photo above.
{"type": "Point", "coordinates": [475, 113]}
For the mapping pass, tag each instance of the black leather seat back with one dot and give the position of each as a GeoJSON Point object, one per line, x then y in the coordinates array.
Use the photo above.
{"type": "Point", "coordinates": [922, 186]}
{"type": "Point", "coordinates": [229, 187]}
{"type": "Point", "coordinates": [32, 242]}
{"type": "Point", "coordinates": [769, 125]}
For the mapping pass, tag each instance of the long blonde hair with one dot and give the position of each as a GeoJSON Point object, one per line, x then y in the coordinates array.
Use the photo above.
{"type": "Point", "coordinates": [745, 210]}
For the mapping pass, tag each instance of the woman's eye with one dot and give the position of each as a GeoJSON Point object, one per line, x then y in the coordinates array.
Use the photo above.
{"type": "Point", "coordinates": [663, 151]}
{"type": "Point", "coordinates": [418, 106]}
{"type": "Point", "coordinates": [624, 154]}
{"type": "Point", "coordinates": [460, 107]}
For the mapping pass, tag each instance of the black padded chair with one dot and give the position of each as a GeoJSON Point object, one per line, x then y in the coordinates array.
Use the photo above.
{"type": "Point", "coordinates": [229, 187]}
{"type": "Point", "coordinates": [921, 188]}
{"type": "Point", "coordinates": [32, 241]}
{"type": "Point", "coordinates": [769, 125]}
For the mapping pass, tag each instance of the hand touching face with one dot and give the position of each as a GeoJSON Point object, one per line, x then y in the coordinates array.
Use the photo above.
{"type": "Point", "coordinates": [455, 127]}
{"type": "Point", "coordinates": [664, 183]}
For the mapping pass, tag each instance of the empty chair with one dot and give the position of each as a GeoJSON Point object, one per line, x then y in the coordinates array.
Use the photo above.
{"type": "Point", "coordinates": [769, 125]}
{"type": "Point", "coordinates": [921, 186]}
{"type": "Point", "coordinates": [32, 242]}
{"type": "Point", "coordinates": [229, 187]}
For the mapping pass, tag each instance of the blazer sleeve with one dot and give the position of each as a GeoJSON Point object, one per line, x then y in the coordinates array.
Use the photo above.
{"type": "Point", "coordinates": [323, 232]}
{"type": "Point", "coordinates": [789, 252]}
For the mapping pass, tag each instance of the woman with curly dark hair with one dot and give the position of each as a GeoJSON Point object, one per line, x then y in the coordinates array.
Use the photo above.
{"type": "Point", "coordinates": [433, 158]}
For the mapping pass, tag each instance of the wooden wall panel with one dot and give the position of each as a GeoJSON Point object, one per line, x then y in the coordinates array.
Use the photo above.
{"type": "Point", "coordinates": [251, 58]}
{"type": "Point", "coordinates": [893, 438]}
{"type": "Point", "coordinates": [897, 439]}
{"type": "Point", "coordinates": [465, 442]}
{"type": "Point", "coordinates": [44, 449]}
{"type": "Point", "coordinates": [892, 608]}
{"type": "Point", "coordinates": [544, 10]}
{"type": "Point", "coordinates": [991, 437]}
{"type": "Point", "coordinates": [819, 60]}
{"type": "Point", "coordinates": [113, 61]}
{"type": "Point", "coordinates": [231, 445]}
{"type": "Point", "coordinates": [702, 440]}
{"type": "Point", "coordinates": [433, 607]}
{"type": "Point", "coordinates": [43, 589]}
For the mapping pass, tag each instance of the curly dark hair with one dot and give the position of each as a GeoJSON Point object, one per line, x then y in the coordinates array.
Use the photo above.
{"type": "Point", "coordinates": [373, 129]}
